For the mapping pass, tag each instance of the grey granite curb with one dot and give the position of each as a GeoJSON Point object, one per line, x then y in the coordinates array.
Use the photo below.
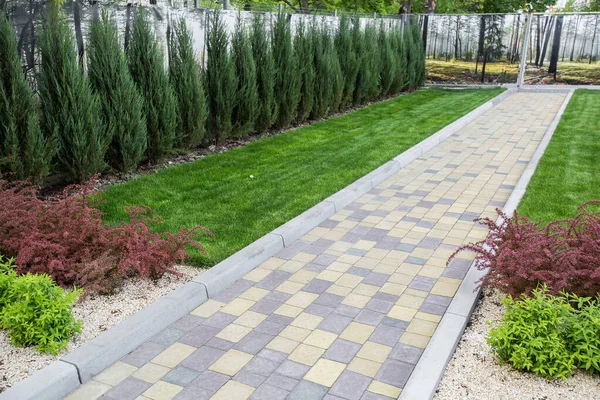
{"type": "Point", "coordinates": [428, 372]}
{"type": "Point", "coordinates": [80, 365]}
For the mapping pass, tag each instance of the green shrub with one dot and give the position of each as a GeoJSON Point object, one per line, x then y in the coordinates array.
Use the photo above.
{"type": "Point", "coordinates": [246, 105]}
{"type": "Point", "coordinates": [530, 336]}
{"type": "Point", "coordinates": [389, 61]}
{"type": "Point", "coordinates": [120, 102]}
{"type": "Point", "coordinates": [348, 59]}
{"type": "Point", "coordinates": [305, 54]}
{"type": "Point", "coordinates": [70, 111]}
{"type": "Point", "coordinates": [287, 80]}
{"type": "Point", "coordinates": [38, 314]}
{"type": "Point", "coordinates": [399, 81]}
{"type": "Point", "coordinates": [367, 81]}
{"type": "Point", "coordinates": [337, 79]}
{"type": "Point", "coordinates": [186, 78]}
{"type": "Point", "coordinates": [265, 74]}
{"type": "Point", "coordinates": [24, 151]}
{"type": "Point", "coordinates": [220, 82]}
{"type": "Point", "coordinates": [323, 56]}
{"type": "Point", "coordinates": [419, 55]}
{"type": "Point", "coordinates": [7, 278]}
{"type": "Point", "coordinates": [583, 333]}
{"type": "Point", "coordinates": [372, 55]}
{"type": "Point", "coordinates": [146, 65]}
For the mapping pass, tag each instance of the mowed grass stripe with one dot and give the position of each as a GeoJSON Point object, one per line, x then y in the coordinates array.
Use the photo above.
{"type": "Point", "coordinates": [244, 193]}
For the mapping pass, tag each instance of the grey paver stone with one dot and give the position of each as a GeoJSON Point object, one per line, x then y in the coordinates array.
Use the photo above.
{"type": "Point", "coordinates": [210, 380]}
{"type": "Point", "coordinates": [292, 369]}
{"type": "Point", "coordinates": [188, 322]}
{"type": "Point", "coordinates": [386, 335]}
{"type": "Point", "coordinates": [319, 310]}
{"type": "Point", "coordinates": [406, 353]}
{"type": "Point", "coordinates": [335, 323]}
{"type": "Point", "coordinates": [378, 305]}
{"type": "Point", "coordinates": [270, 328]}
{"type": "Point", "coordinates": [218, 320]}
{"type": "Point", "coordinates": [202, 334]}
{"type": "Point", "coordinates": [220, 344]}
{"type": "Point", "coordinates": [181, 376]}
{"type": "Point", "coordinates": [168, 336]}
{"type": "Point", "coordinates": [350, 385]}
{"type": "Point", "coordinates": [269, 392]}
{"type": "Point", "coordinates": [143, 354]}
{"type": "Point", "coordinates": [282, 382]}
{"type": "Point", "coordinates": [329, 300]}
{"type": "Point", "coordinates": [272, 355]}
{"type": "Point", "coordinates": [317, 286]}
{"type": "Point", "coordinates": [253, 342]}
{"type": "Point", "coordinates": [348, 311]}
{"type": "Point", "coordinates": [422, 283]}
{"type": "Point", "coordinates": [376, 279]}
{"type": "Point", "coordinates": [261, 366]}
{"type": "Point", "coordinates": [129, 389]}
{"type": "Point", "coordinates": [396, 323]}
{"type": "Point", "coordinates": [248, 378]}
{"type": "Point", "coordinates": [307, 390]}
{"type": "Point", "coordinates": [358, 271]}
{"type": "Point", "coordinates": [369, 317]}
{"type": "Point", "coordinates": [193, 393]}
{"type": "Point", "coordinates": [202, 358]}
{"type": "Point", "coordinates": [394, 372]}
{"type": "Point", "coordinates": [342, 351]}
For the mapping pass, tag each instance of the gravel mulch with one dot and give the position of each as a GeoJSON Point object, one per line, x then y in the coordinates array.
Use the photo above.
{"type": "Point", "coordinates": [98, 314]}
{"type": "Point", "coordinates": [473, 372]}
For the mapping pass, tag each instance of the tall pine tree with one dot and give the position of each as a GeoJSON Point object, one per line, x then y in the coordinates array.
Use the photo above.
{"type": "Point", "coordinates": [349, 61]}
{"type": "Point", "coordinates": [24, 150]}
{"type": "Point", "coordinates": [70, 111]}
{"type": "Point", "coordinates": [120, 102]}
{"type": "Point", "coordinates": [186, 78]}
{"type": "Point", "coordinates": [265, 74]}
{"type": "Point", "coordinates": [287, 81]}
{"type": "Point", "coordinates": [146, 65]}
{"type": "Point", "coordinates": [304, 50]}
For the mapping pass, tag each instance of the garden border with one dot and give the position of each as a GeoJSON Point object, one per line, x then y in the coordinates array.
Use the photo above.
{"type": "Point", "coordinates": [428, 372]}
{"type": "Point", "coordinates": [79, 366]}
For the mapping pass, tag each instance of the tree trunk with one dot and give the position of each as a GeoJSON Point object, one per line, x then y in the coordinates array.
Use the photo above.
{"type": "Point", "coordinates": [546, 40]}
{"type": "Point", "coordinates": [127, 25]}
{"type": "Point", "coordinates": [425, 25]}
{"type": "Point", "coordinates": [78, 34]}
{"type": "Point", "coordinates": [575, 38]}
{"type": "Point", "coordinates": [538, 42]}
{"type": "Point", "coordinates": [585, 33]}
{"type": "Point", "coordinates": [516, 43]}
{"type": "Point", "coordinates": [593, 40]}
{"type": "Point", "coordinates": [485, 56]}
{"type": "Point", "coordinates": [481, 40]}
{"type": "Point", "coordinates": [552, 69]}
{"type": "Point", "coordinates": [509, 49]}
{"type": "Point", "coordinates": [405, 7]}
{"type": "Point", "coordinates": [456, 37]}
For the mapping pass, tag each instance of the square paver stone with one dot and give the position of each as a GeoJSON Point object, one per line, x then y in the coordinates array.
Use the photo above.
{"type": "Point", "coordinates": [308, 390]}
{"type": "Point", "coordinates": [181, 376]}
{"type": "Point", "coordinates": [233, 390]}
{"type": "Point", "coordinates": [325, 372]}
{"type": "Point", "coordinates": [350, 385]}
{"type": "Point", "coordinates": [129, 389]}
{"type": "Point", "coordinates": [231, 362]}
{"type": "Point", "coordinates": [269, 392]}
{"type": "Point", "coordinates": [162, 391]}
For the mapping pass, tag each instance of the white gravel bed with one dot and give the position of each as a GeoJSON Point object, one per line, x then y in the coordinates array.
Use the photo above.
{"type": "Point", "coordinates": [474, 373]}
{"type": "Point", "coordinates": [98, 314]}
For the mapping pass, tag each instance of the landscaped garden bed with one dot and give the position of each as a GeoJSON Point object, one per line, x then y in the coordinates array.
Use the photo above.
{"type": "Point", "coordinates": [550, 334]}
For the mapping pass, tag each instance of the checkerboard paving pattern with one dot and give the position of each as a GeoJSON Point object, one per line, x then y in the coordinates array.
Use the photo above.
{"type": "Point", "coordinates": [346, 311]}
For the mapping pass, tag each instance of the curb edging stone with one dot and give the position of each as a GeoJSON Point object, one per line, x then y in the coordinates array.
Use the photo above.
{"type": "Point", "coordinates": [79, 366]}
{"type": "Point", "coordinates": [428, 372]}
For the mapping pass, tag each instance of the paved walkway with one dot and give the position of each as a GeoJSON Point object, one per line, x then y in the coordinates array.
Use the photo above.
{"type": "Point", "coordinates": [346, 311]}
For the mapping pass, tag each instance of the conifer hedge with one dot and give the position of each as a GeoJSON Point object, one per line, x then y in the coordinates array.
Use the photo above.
{"type": "Point", "coordinates": [267, 74]}
{"type": "Point", "coordinates": [24, 150]}
{"type": "Point", "coordinates": [120, 102]}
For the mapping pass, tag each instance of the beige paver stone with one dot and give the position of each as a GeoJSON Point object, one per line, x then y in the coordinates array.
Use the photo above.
{"type": "Point", "coordinates": [319, 338]}
{"type": "Point", "coordinates": [233, 390]}
{"type": "Point", "coordinates": [444, 288]}
{"type": "Point", "coordinates": [302, 299]}
{"type": "Point", "coordinates": [410, 301]}
{"type": "Point", "coordinates": [303, 276]}
{"type": "Point", "coordinates": [307, 321]}
{"type": "Point", "coordinates": [173, 355]}
{"type": "Point", "coordinates": [414, 339]}
{"type": "Point", "coordinates": [339, 290]}
{"type": "Point", "coordinates": [151, 372]}
{"type": "Point", "coordinates": [91, 390]}
{"type": "Point", "coordinates": [328, 275]}
{"type": "Point", "coordinates": [282, 344]}
{"type": "Point", "coordinates": [349, 280]}
{"type": "Point", "coordinates": [290, 287]}
{"type": "Point", "coordinates": [393, 288]}
{"type": "Point", "coordinates": [364, 367]}
{"type": "Point", "coordinates": [273, 263]}
{"type": "Point", "coordinates": [422, 327]}
{"type": "Point", "coordinates": [234, 333]}
{"type": "Point", "coordinates": [288, 311]}
{"type": "Point", "coordinates": [357, 332]}
{"type": "Point", "coordinates": [305, 354]}
{"type": "Point", "coordinates": [338, 266]}
{"type": "Point", "coordinates": [254, 294]}
{"type": "Point", "coordinates": [356, 300]}
{"type": "Point", "coordinates": [366, 290]}
{"type": "Point", "coordinates": [292, 266]}
{"type": "Point", "coordinates": [231, 362]}
{"type": "Point", "coordinates": [162, 391]}
{"type": "Point", "coordinates": [115, 374]}
{"type": "Point", "coordinates": [295, 333]}
{"type": "Point", "coordinates": [402, 313]}
{"type": "Point", "coordinates": [208, 308]}
{"type": "Point", "coordinates": [374, 352]}
{"type": "Point", "coordinates": [304, 257]}
{"type": "Point", "coordinates": [257, 274]}
{"type": "Point", "coordinates": [325, 372]}
{"type": "Point", "coordinates": [384, 389]}
{"type": "Point", "coordinates": [237, 306]}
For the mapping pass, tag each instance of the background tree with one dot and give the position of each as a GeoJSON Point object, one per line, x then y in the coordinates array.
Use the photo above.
{"type": "Point", "coordinates": [146, 65]}
{"type": "Point", "coordinates": [349, 60]}
{"type": "Point", "coordinates": [265, 74]}
{"type": "Point", "coordinates": [287, 80]}
{"type": "Point", "coordinates": [186, 78]}
{"type": "Point", "coordinates": [120, 102]}
{"type": "Point", "coordinates": [24, 150]}
{"type": "Point", "coordinates": [304, 50]}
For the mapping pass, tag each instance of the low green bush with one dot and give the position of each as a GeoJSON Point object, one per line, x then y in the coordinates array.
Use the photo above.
{"type": "Point", "coordinates": [38, 313]}
{"type": "Point", "coordinates": [549, 335]}
{"type": "Point", "coordinates": [7, 278]}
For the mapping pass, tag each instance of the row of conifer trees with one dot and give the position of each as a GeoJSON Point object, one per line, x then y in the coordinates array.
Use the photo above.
{"type": "Point", "coordinates": [128, 107]}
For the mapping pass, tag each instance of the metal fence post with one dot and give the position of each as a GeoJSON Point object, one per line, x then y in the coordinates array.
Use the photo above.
{"type": "Point", "coordinates": [523, 63]}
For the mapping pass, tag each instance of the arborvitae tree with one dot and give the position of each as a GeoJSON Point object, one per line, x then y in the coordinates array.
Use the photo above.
{"type": "Point", "coordinates": [337, 78]}
{"type": "Point", "coordinates": [265, 74]}
{"type": "Point", "coordinates": [220, 82]}
{"type": "Point", "coordinates": [410, 52]}
{"type": "Point", "coordinates": [24, 151]}
{"type": "Point", "coordinates": [120, 102]}
{"type": "Point", "coordinates": [246, 105]}
{"type": "Point", "coordinates": [287, 81]}
{"type": "Point", "coordinates": [349, 61]}
{"type": "Point", "coordinates": [388, 59]}
{"type": "Point", "coordinates": [146, 65]}
{"type": "Point", "coordinates": [70, 111]}
{"type": "Point", "coordinates": [305, 56]}
{"type": "Point", "coordinates": [186, 78]}
{"type": "Point", "coordinates": [372, 55]}
{"type": "Point", "coordinates": [323, 93]}
{"type": "Point", "coordinates": [397, 43]}
{"type": "Point", "coordinates": [419, 58]}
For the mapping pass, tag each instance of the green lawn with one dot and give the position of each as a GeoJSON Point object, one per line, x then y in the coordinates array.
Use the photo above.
{"type": "Point", "coordinates": [569, 171]}
{"type": "Point", "coordinates": [245, 193]}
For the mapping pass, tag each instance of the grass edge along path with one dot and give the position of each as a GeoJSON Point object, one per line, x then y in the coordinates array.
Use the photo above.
{"type": "Point", "coordinates": [246, 192]}
{"type": "Point", "coordinates": [569, 171]}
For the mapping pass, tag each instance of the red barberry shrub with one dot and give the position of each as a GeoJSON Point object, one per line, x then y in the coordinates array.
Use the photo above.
{"type": "Point", "coordinates": [66, 239]}
{"type": "Point", "coordinates": [521, 254]}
